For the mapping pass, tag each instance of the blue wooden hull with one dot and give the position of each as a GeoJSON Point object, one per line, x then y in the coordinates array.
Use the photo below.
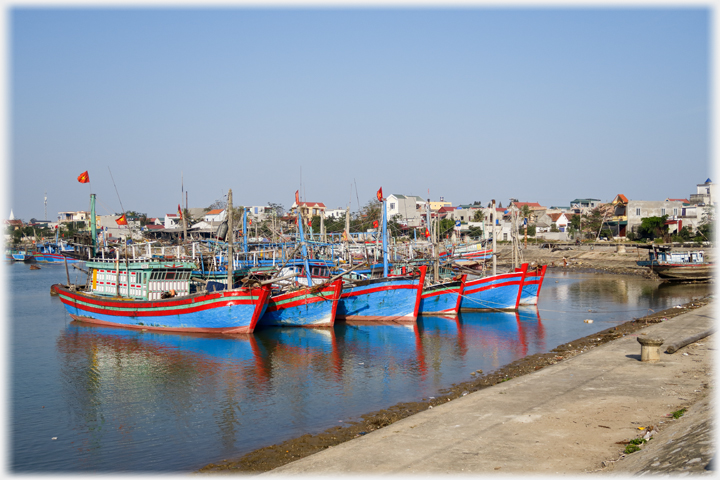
{"type": "Point", "coordinates": [304, 308]}
{"type": "Point", "coordinates": [442, 299]}
{"type": "Point", "coordinates": [531, 286]}
{"type": "Point", "coordinates": [496, 292]}
{"type": "Point", "coordinates": [382, 299]}
{"type": "Point", "coordinates": [236, 311]}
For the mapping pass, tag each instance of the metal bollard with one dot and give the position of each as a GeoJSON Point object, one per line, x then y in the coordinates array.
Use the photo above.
{"type": "Point", "coordinates": [650, 349]}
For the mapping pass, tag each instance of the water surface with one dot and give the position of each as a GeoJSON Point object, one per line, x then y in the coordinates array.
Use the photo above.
{"type": "Point", "coordinates": [127, 401]}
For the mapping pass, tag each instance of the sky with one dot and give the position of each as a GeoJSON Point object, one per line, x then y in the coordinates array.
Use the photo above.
{"type": "Point", "coordinates": [473, 103]}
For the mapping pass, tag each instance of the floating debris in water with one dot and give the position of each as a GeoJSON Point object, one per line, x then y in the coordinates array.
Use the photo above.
{"type": "Point", "coordinates": [588, 321]}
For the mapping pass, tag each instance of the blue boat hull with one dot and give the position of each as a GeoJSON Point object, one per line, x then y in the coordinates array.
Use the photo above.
{"type": "Point", "coordinates": [382, 299]}
{"type": "Point", "coordinates": [236, 311]}
{"type": "Point", "coordinates": [496, 292]}
{"type": "Point", "coordinates": [304, 308]}
{"type": "Point", "coordinates": [443, 299]}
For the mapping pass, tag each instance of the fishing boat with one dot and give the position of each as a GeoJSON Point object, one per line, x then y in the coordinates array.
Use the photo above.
{"type": "Point", "coordinates": [472, 251]}
{"type": "Point", "coordinates": [54, 253]}
{"type": "Point", "coordinates": [496, 292]}
{"type": "Point", "coordinates": [684, 266]}
{"type": "Point", "coordinates": [304, 306]}
{"type": "Point", "coordinates": [157, 295]}
{"type": "Point", "coordinates": [387, 298]}
{"type": "Point", "coordinates": [442, 298]}
{"type": "Point", "coordinates": [20, 255]}
{"type": "Point", "coordinates": [532, 284]}
{"type": "Point", "coordinates": [395, 298]}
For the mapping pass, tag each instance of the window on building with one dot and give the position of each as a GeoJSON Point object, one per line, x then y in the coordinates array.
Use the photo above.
{"type": "Point", "coordinates": [675, 211]}
{"type": "Point", "coordinates": [505, 237]}
{"type": "Point", "coordinates": [256, 210]}
{"type": "Point", "coordinates": [662, 211]}
{"type": "Point", "coordinates": [637, 212]}
{"type": "Point", "coordinates": [392, 206]}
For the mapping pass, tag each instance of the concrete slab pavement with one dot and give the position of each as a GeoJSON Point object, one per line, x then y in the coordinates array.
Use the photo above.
{"type": "Point", "coordinates": [563, 419]}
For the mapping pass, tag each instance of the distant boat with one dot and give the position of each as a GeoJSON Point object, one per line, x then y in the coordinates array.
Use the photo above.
{"type": "Point", "coordinates": [50, 253]}
{"type": "Point", "coordinates": [678, 266]}
{"type": "Point", "coordinates": [19, 255]}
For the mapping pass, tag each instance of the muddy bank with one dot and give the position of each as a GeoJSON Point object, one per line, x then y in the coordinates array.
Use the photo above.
{"type": "Point", "coordinates": [268, 458]}
{"type": "Point", "coordinates": [620, 259]}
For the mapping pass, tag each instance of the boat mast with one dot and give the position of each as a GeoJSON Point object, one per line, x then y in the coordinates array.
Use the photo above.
{"type": "Point", "coordinates": [245, 232]}
{"type": "Point", "coordinates": [182, 214]}
{"type": "Point", "coordinates": [230, 240]}
{"type": "Point", "coordinates": [304, 247]}
{"type": "Point", "coordinates": [93, 226]}
{"type": "Point", "coordinates": [384, 238]}
{"type": "Point", "coordinates": [494, 235]}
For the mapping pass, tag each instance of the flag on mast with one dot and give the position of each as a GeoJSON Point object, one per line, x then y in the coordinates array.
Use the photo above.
{"type": "Point", "coordinates": [122, 220]}
{"type": "Point", "coordinates": [179, 211]}
{"type": "Point", "coordinates": [380, 195]}
{"type": "Point", "coordinates": [84, 177]}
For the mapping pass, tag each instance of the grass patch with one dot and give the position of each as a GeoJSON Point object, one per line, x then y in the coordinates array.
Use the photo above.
{"type": "Point", "coordinates": [631, 449]}
{"type": "Point", "coordinates": [679, 413]}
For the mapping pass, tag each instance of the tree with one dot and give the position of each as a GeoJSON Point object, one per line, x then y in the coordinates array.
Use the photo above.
{"type": "Point", "coordinates": [478, 216]}
{"type": "Point", "coordinates": [592, 222]}
{"type": "Point", "coordinates": [218, 204]}
{"type": "Point", "coordinates": [653, 227]}
{"type": "Point", "coordinates": [526, 212]}
{"type": "Point", "coordinates": [706, 227]}
{"type": "Point", "coordinates": [277, 209]}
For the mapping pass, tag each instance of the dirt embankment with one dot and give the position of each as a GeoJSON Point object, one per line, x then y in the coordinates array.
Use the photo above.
{"type": "Point", "coordinates": [597, 257]}
{"type": "Point", "coordinates": [273, 456]}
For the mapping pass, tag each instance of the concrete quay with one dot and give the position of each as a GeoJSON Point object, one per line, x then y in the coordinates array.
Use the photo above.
{"type": "Point", "coordinates": [569, 418]}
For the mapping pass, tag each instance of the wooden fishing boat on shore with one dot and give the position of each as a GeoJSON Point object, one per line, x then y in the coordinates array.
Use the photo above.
{"type": "Point", "coordinates": [683, 266]}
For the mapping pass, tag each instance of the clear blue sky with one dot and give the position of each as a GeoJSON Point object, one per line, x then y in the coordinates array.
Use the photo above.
{"type": "Point", "coordinates": [542, 104]}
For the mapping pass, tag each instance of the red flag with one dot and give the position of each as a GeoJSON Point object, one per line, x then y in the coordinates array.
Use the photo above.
{"type": "Point", "coordinates": [297, 197]}
{"type": "Point", "coordinates": [379, 195]}
{"type": "Point", "coordinates": [344, 237]}
{"type": "Point", "coordinates": [427, 232]}
{"type": "Point", "coordinates": [179, 211]}
{"type": "Point", "coordinates": [84, 177]}
{"type": "Point", "coordinates": [375, 224]}
{"type": "Point", "coordinates": [122, 220]}
{"type": "Point", "coordinates": [249, 221]}
{"type": "Point", "coordinates": [309, 222]}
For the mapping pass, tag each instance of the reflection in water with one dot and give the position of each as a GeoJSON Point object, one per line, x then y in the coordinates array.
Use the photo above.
{"type": "Point", "coordinates": [148, 401]}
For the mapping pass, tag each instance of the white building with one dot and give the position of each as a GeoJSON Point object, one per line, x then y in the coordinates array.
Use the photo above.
{"type": "Point", "coordinates": [705, 194]}
{"type": "Point", "coordinates": [217, 215]}
{"type": "Point", "coordinates": [406, 209]}
{"type": "Point", "coordinates": [336, 214]}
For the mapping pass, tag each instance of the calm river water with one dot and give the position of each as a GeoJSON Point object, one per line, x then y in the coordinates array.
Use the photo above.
{"type": "Point", "coordinates": [96, 399]}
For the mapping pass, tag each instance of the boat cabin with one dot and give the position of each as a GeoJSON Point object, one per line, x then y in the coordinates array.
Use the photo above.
{"type": "Point", "coordinates": [139, 279]}
{"type": "Point", "coordinates": [663, 257]}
